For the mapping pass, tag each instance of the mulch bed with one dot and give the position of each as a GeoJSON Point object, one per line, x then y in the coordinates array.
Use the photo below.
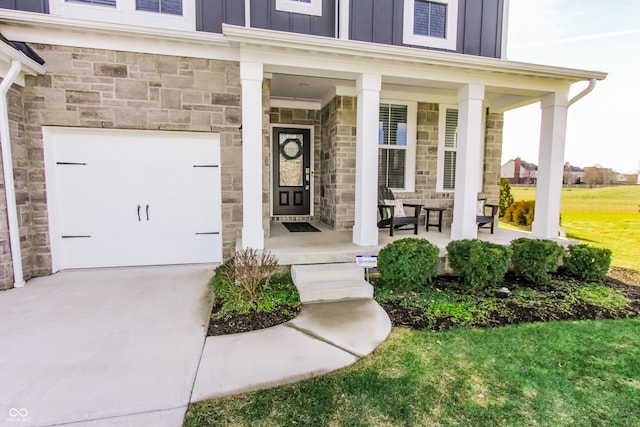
{"type": "Point", "coordinates": [509, 314]}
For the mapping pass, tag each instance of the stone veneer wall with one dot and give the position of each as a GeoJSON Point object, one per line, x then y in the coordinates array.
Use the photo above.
{"type": "Point", "coordinates": [22, 178]}
{"type": "Point", "coordinates": [338, 168]}
{"type": "Point", "coordinates": [294, 117]}
{"type": "Point", "coordinates": [266, 153]}
{"type": "Point", "coordinates": [123, 90]}
{"type": "Point", "coordinates": [492, 157]}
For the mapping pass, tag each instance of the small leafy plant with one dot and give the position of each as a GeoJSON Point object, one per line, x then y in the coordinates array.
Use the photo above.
{"type": "Point", "coordinates": [408, 264]}
{"type": "Point", "coordinates": [587, 262]}
{"type": "Point", "coordinates": [535, 259]}
{"type": "Point", "coordinates": [480, 264]}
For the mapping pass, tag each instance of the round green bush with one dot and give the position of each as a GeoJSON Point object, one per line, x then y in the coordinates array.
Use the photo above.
{"type": "Point", "coordinates": [480, 264]}
{"type": "Point", "coordinates": [587, 262]}
{"type": "Point", "coordinates": [535, 259]}
{"type": "Point", "coordinates": [408, 264]}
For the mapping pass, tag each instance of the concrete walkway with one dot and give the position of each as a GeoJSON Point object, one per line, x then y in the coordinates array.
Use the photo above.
{"type": "Point", "coordinates": [126, 347]}
{"type": "Point", "coordinates": [339, 323]}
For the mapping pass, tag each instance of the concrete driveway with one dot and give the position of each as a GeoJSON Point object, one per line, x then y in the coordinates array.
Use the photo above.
{"type": "Point", "coordinates": [103, 347]}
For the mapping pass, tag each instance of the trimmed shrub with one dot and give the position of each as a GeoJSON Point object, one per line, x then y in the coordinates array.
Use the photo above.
{"type": "Point", "coordinates": [587, 262]}
{"type": "Point", "coordinates": [535, 259]}
{"type": "Point", "coordinates": [480, 264]}
{"type": "Point", "coordinates": [408, 264]}
{"type": "Point", "coordinates": [521, 212]}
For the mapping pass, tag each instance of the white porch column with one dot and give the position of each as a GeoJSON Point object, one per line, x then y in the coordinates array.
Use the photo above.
{"type": "Point", "coordinates": [465, 200]}
{"type": "Point", "coordinates": [365, 230]}
{"type": "Point", "coordinates": [553, 130]}
{"type": "Point", "coordinates": [251, 79]}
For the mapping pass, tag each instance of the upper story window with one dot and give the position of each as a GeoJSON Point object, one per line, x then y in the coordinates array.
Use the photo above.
{"type": "Point", "coordinates": [100, 2]}
{"type": "Point", "coordinates": [305, 7]}
{"type": "Point", "coordinates": [397, 145]}
{"type": "Point", "coordinates": [171, 7]}
{"type": "Point", "coordinates": [430, 23]}
{"type": "Point", "coordinates": [161, 14]}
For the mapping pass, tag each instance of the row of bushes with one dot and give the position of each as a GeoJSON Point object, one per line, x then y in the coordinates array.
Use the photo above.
{"type": "Point", "coordinates": [408, 264]}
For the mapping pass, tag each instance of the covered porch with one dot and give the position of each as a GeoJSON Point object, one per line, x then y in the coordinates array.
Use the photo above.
{"type": "Point", "coordinates": [448, 140]}
{"type": "Point", "coordinates": [332, 246]}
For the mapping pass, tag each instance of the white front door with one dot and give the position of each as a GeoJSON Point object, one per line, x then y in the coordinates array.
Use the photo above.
{"type": "Point", "coordinates": [124, 198]}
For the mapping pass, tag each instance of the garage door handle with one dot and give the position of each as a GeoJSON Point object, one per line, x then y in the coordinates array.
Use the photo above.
{"type": "Point", "coordinates": [147, 210]}
{"type": "Point", "coordinates": [138, 212]}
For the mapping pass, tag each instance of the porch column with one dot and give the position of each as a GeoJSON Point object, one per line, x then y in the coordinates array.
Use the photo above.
{"type": "Point", "coordinates": [251, 79]}
{"type": "Point", "coordinates": [553, 130]}
{"type": "Point", "coordinates": [365, 230]}
{"type": "Point", "coordinates": [465, 199]}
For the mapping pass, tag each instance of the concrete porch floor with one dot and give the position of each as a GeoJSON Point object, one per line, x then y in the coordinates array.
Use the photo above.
{"type": "Point", "coordinates": [330, 246]}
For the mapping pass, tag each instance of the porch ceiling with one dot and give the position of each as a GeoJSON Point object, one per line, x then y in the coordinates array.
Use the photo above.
{"type": "Point", "coordinates": [310, 88]}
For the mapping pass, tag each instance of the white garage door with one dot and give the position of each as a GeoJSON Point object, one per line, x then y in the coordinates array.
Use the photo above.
{"type": "Point", "coordinates": [125, 198]}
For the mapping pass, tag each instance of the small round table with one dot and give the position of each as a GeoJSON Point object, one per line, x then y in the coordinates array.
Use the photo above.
{"type": "Point", "coordinates": [426, 221]}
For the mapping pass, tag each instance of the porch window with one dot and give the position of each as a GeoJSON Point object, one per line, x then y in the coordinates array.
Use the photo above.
{"type": "Point", "coordinates": [305, 7]}
{"type": "Point", "coordinates": [396, 142]}
{"type": "Point", "coordinates": [430, 23]}
{"type": "Point", "coordinates": [447, 148]}
{"type": "Point", "coordinates": [170, 7]}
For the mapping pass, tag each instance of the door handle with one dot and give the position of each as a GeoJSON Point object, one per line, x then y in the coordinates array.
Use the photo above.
{"type": "Point", "coordinates": [138, 212]}
{"type": "Point", "coordinates": [147, 211]}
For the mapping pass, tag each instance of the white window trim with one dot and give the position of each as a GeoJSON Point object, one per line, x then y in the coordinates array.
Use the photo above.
{"type": "Point", "coordinates": [410, 148]}
{"type": "Point", "coordinates": [314, 8]}
{"type": "Point", "coordinates": [442, 123]}
{"type": "Point", "coordinates": [442, 117]}
{"type": "Point", "coordinates": [125, 13]}
{"type": "Point", "coordinates": [448, 43]}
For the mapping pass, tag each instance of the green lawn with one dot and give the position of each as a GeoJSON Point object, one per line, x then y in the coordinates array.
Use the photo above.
{"type": "Point", "coordinates": [606, 217]}
{"type": "Point", "coordinates": [547, 374]}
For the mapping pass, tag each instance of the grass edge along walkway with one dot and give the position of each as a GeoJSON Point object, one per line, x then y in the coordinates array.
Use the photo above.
{"type": "Point", "coordinates": [555, 374]}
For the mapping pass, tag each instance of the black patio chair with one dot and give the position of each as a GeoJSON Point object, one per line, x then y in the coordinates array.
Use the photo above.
{"type": "Point", "coordinates": [387, 213]}
{"type": "Point", "coordinates": [484, 220]}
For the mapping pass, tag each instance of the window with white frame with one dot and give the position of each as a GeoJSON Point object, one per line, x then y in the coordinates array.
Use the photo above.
{"type": "Point", "coordinates": [171, 7]}
{"type": "Point", "coordinates": [397, 145]}
{"type": "Point", "coordinates": [111, 3]}
{"type": "Point", "coordinates": [169, 14]}
{"type": "Point", "coordinates": [448, 148]}
{"type": "Point", "coordinates": [430, 23]}
{"type": "Point", "coordinates": [305, 7]}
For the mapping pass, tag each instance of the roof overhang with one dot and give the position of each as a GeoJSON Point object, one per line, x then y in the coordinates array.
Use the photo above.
{"type": "Point", "coordinates": [508, 84]}
{"type": "Point", "coordinates": [8, 54]}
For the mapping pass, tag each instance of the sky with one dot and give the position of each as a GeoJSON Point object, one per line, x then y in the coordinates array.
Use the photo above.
{"type": "Point", "coordinates": [603, 127]}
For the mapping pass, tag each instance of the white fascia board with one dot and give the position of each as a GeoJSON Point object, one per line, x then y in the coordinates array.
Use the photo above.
{"type": "Point", "coordinates": [318, 64]}
{"type": "Point", "coordinates": [470, 63]}
{"type": "Point", "coordinates": [41, 28]}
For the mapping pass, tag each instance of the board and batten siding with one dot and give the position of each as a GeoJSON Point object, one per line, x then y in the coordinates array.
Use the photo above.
{"type": "Point", "coordinates": [272, 19]}
{"type": "Point", "coordinates": [210, 14]}
{"type": "Point", "coordinates": [479, 29]}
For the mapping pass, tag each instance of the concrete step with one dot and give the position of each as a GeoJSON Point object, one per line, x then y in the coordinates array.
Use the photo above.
{"type": "Point", "coordinates": [320, 273]}
{"type": "Point", "coordinates": [334, 291]}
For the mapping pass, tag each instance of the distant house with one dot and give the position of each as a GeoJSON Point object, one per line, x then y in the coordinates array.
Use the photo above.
{"type": "Point", "coordinates": [519, 172]}
{"type": "Point", "coordinates": [572, 174]}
